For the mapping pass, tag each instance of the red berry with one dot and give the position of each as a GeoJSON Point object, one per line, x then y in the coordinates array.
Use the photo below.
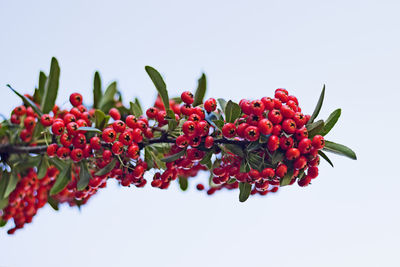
{"type": "Point", "coordinates": [305, 146]}
{"type": "Point", "coordinates": [46, 120]}
{"type": "Point", "coordinates": [79, 140]}
{"type": "Point", "coordinates": [268, 173]}
{"type": "Point", "coordinates": [138, 171]}
{"type": "Point", "coordinates": [285, 142]}
{"type": "Point", "coordinates": [229, 130]}
{"type": "Point", "coordinates": [133, 151]}
{"type": "Point", "coordinates": [281, 96]}
{"type": "Point", "coordinates": [273, 143]}
{"type": "Point", "coordinates": [63, 152]}
{"type": "Point", "coordinates": [241, 128]}
{"type": "Point", "coordinates": [275, 116]}
{"type": "Point", "coordinates": [52, 149]}
{"type": "Point", "coordinates": [15, 119]}
{"type": "Point", "coordinates": [304, 181]}
{"type": "Point", "coordinates": [95, 143]}
{"type": "Point", "coordinates": [281, 170]}
{"type": "Point", "coordinates": [209, 142]}
{"type": "Point", "coordinates": [210, 105]}
{"type": "Point", "coordinates": [318, 142]}
{"type": "Point", "coordinates": [289, 126]}
{"type": "Point", "coordinates": [152, 112]}
{"type": "Point", "coordinates": [301, 133]}
{"type": "Point", "coordinates": [189, 128]}
{"type": "Point", "coordinates": [117, 148]}
{"type": "Point", "coordinates": [107, 154]}
{"type": "Point", "coordinates": [312, 172]}
{"type": "Point", "coordinates": [202, 128]}
{"type": "Point", "coordinates": [69, 118]}
{"type": "Point", "coordinates": [137, 135]}
{"type": "Point", "coordinates": [300, 119]}
{"type": "Point", "coordinates": [76, 154]}
{"type": "Point", "coordinates": [119, 126]}
{"type": "Point", "coordinates": [131, 121]}
{"type": "Point", "coordinates": [75, 99]}
{"type": "Point", "coordinates": [58, 127]}
{"type": "Point", "coordinates": [300, 163]}
{"type": "Point", "coordinates": [287, 112]}
{"type": "Point", "coordinates": [66, 140]}
{"type": "Point", "coordinates": [257, 107]}
{"type": "Point", "coordinates": [126, 138]}
{"type": "Point", "coordinates": [114, 113]}
{"type": "Point", "coordinates": [265, 126]}
{"type": "Point", "coordinates": [200, 187]}
{"type": "Point", "coordinates": [109, 135]}
{"type": "Point", "coordinates": [20, 110]}
{"type": "Point", "coordinates": [251, 133]}
{"type": "Point", "coordinates": [187, 97]}
{"type": "Point", "coordinates": [292, 153]}
{"type": "Point", "coordinates": [72, 128]}
{"type": "Point", "coordinates": [268, 103]}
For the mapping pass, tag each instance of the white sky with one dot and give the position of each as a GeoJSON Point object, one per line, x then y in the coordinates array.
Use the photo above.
{"type": "Point", "coordinates": [348, 217]}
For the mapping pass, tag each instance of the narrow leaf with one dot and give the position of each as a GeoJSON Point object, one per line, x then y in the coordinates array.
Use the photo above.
{"type": "Point", "coordinates": [107, 100]}
{"type": "Point", "coordinates": [135, 109]}
{"type": "Point", "coordinates": [27, 101]}
{"type": "Point", "coordinates": [89, 129]}
{"type": "Point", "coordinates": [62, 180]}
{"type": "Point", "coordinates": [51, 87]}
{"type": "Point", "coordinates": [60, 164]}
{"type": "Point", "coordinates": [42, 169]}
{"type": "Point", "coordinates": [232, 111]}
{"type": "Point", "coordinates": [331, 121]}
{"type": "Point", "coordinates": [339, 149]}
{"type": "Point", "coordinates": [84, 176]}
{"type": "Point", "coordinates": [315, 128]}
{"type": "Point", "coordinates": [42, 83]}
{"type": "Point", "coordinates": [108, 168]}
{"type": "Point", "coordinates": [200, 91]}
{"type": "Point", "coordinates": [222, 103]}
{"type": "Point", "coordinates": [287, 178]}
{"type": "Point", "coordinates": [159, 84]}
{"type": "Point", "coordinates": [245, 190]}
{"type": "Point", "coordinates": [207, 157]}
{"type": "Point", "coordinates": [171, 120]}
{"type": "Point", "coordinates": [174, 156]}
{"type": "Point", "coordinates": [325, 157]}
{"type": "Point", "coordinates": [139, 106]}
{"type": "Point", "coordinates": [101, 119]}
{"type": "Point", "coordinates": [235, 149]}
{"type": "Point", "coordinates": [183, 183]}
{"type": "Point", "coordinates": [318, 107]}
{"type": "Point", "coordinates": [97, 93]}
{"type": "Point", "coordinates": [53, 203]}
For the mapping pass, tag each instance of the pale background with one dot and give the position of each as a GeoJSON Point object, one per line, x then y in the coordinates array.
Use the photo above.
{"type": "Point", "coordinates": [348, 217]}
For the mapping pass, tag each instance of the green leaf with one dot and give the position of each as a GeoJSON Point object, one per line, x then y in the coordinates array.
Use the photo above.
{"type": "Point", "coordinates": [277, 157]}
{"type": "Point", "coordinates": [174, 156]}
{"type": "Point", "coordinates": [159, 84]}
{"type": "Point", "coordinates": [325, 157]}
{"type": "Point", "coordinates": [27, 101]}
{"type": "Point", "coordinates": [253, 146]}
{"type": "Point", "coordinates": [315, 128]}
{"type": "Point", "coordinates": [41, 85]}
{"type": "Point", "coordinates": [245, 190]}
{"type": "Point", "coordinates": [255, 161]}
{"type": "Point", "coordinates": [183, 183]}
{"type": "Point", "coordinates": [172, 123]}
{"type": "Point", "coordinates": [97, 92]}
{"type": "Point", "coordinates": [89, 129]}
{"type": "Point", "coordinates": [53, 203]}
{"type": "Point", "coordinates": [244, 166]}
{"type": "Point", "coordinates": [318, 107]}
{"type": "Point", "coordinates": [107, 100]}
{"type": "Point", "coordinates": [231, 181]}
{"type": "Point", "coordinates": [287, 178]}
{"type": "Point", "coordinates": [219, 123]}
{"type": "Point", "coordinates": [235, 149]}
{"type": "Point", "coordinates": [84, 176]}
{"type": "Point", "coordinates": [101, 119]}
{"type": "Point", "coordinates": [51, 87]}
{"type": "Point", "coordinates": [134, 109]}
{"type": "Point", "coordinates": [158, 163]}
{"type": "Point", "coordinates": [108, 168]}
{"type": "Point", "coordinates": [60, 164]}
{"type": "Point", "coordinates": [232, 111]}
{"type": "Point", "coordinates": [3, 203]}
{"type": "Point", "coordinates": [339, 149]}
{"type": "Point", "coordinates": [42, 169]}
{"type": "Point", "coordinates": [207, 157]}
{"type": "Point", "coordinates": [148, 158]}
{"type": "Point", "coordinates": [62, 180]}
{"type": "Point", "coordinates": [201, 91]}
{"type": "Point", "coordinates": [2, 223]}
{"type": "Point", "coordinates": [331, 121]}
{"type": "Point", "coordinates": [222, 103]}
{"type": "Point", "coordinates": [8, 183]}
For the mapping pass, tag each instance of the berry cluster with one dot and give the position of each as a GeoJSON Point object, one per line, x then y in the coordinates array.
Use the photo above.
{"type": "Point", "coordinates": [66, 155]}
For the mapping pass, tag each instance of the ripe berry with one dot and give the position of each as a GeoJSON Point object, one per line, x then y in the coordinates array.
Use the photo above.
{"type": "Point", "coordinates": [152, 112]}
{"type": "Point", "coordinates": [46, 120]}
{"type": "Point", "coordinates": [20, 110]}
{"type": "Point", "coordinates": [187, 97]}
{"type": "Point", "coordinates": [257, 107]}
{"type": "Point", "coordinates": [301, 133]}
{"type": "Point", "coordinates": [138, 171]}
{"type": "Point", "coordinates": [304, 146]}
{"type": "Point", "coordinates": [52, 149]}
{"type": "Point", "coordinates": [126, 138]}
{"type": "Point", "coordinates": [107, 154]}
{"type": "Point", "coordinates": [251, 133]}
{"type": "Point", "coordinates": [299, 119]}
{"type": "Point", "coordinates": [66, 140]}
{"type": "Point", "coordinates": [304, 181]}
{"type": "Point", "coordinates": [117, 148]}
{"type": "Point", "coordinates": [273, 143]}
{"type": "Point", "coordinates": [26, 135]}
{"type": "Point", "coordinates": [133, 151]}
{"type": "Point", "coordinates": [69, 118]}
{"type": "Point", "coordinates": [75, 99]}
{"type": "Point", "coordinates": [15, 119]}
{"type": "Point", "coordinates": [245, 106]}
{"type": "Point", "coordinates": [281, 170]}
{"type": "Point", "coordinates": [265, 126]}
{"type": "Point", "coordinates": [119, 126]}
{"type": "Point", "coordinates": [287, 112]}
{"type": "Point", "coordinates": [109, 135]}
{"type": "Point", "coordinates": [268, 173]}
{"type": "Point", "coordinates": [79, 140]}
{"type": "Point", "coordinates": [210, 105]}
{"type": "Point", "coordinates": [289, 126]}
{"type": "Point", "coordinates": [189, 128]}
{"type": "Point", "coordinates": [29, 122]}
{"type": "Point", "coordinates": [137, 135]}
{"type": "Point", "coordinates": [58, 127]}
{"type": "Point", "coordinates": [240, 129]}
{"type": "Point", "coordinates": [318, 142]}
{"type": "Point", "coordinates": [95, 143]}
{"type": "Point", "coordinates": [202, 128]}
{"type": "Point", "coordinates": [292, 153]}
{"type": "Point", "coordinates": [285, 142]}
{"type": "Point", "coordinates": [312, 172]}
{"type": "Point", "coordinates": [76, 154]}
{"type": "Point", "coordinates": [254, 175]}
{"type": "Point", "coordinates": [200, 187]}
{"type": "Point", "coordinates": [300, 163]}
{"type": "Point", "coordinates": [63, 152]}
{"type": "Point", "coordinates": [114, 113]}
{"type": "Point", "coordinates": [229, 130]}
{"type": "Point", "coordinates": [72, 128]}
{"type": "Point", "coordinates": [281, 96]}
{"type": "Point", "coordinates": [275, 116]}
{"type": "Point", "coordinates": [131, 121]}
{"type": "Point", "coordinates": [268, 103]}
{"type": "Point", "coordinates": [209, 142]}
{"type": "Point", "coordinates": [182, 141]}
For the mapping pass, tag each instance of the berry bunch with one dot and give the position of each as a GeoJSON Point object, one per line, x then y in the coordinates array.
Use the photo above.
{"type": "Point", "coordinates": [65, 155]}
